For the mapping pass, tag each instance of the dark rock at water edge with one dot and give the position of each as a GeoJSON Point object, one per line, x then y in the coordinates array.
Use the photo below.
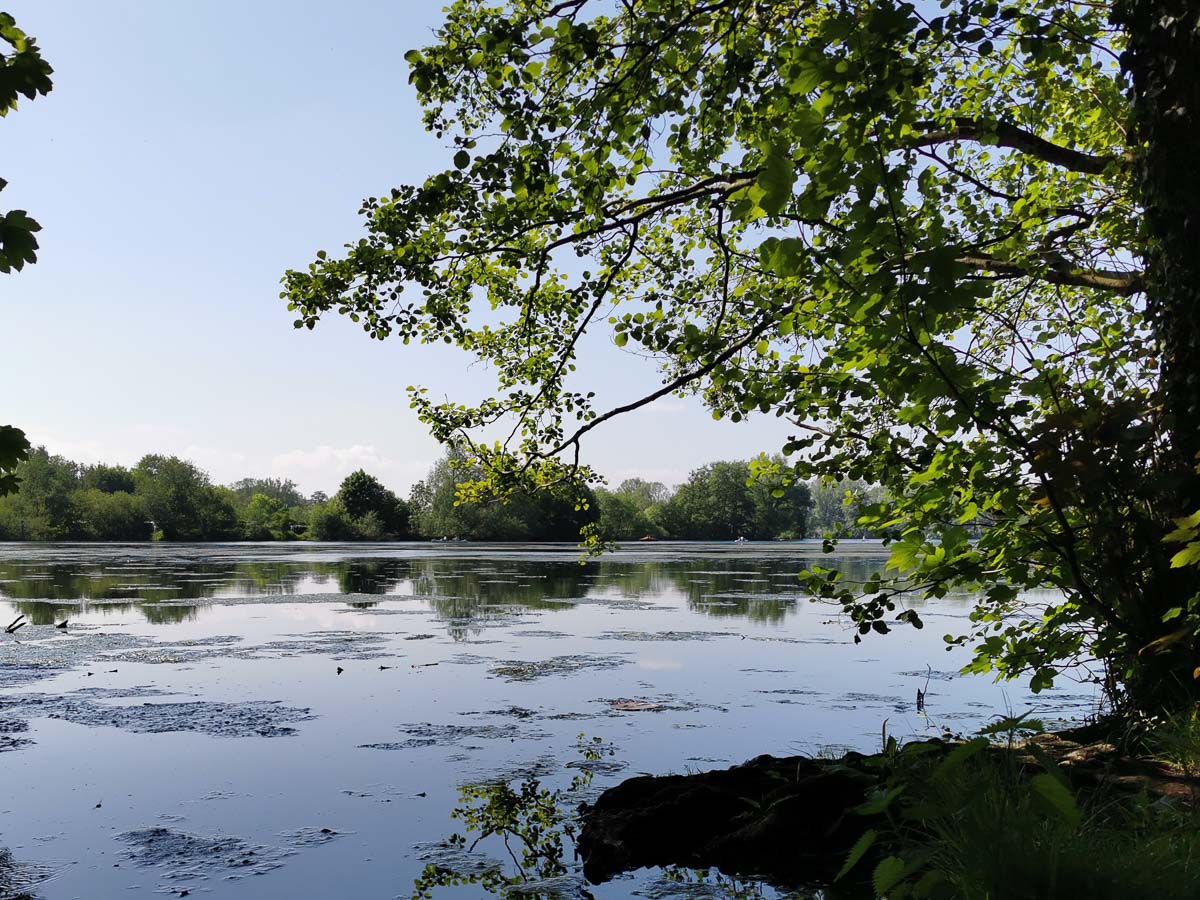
{"type": "Point", "coordinates": [787, 820]}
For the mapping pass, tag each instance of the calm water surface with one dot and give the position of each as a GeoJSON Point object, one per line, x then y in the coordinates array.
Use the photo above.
{"type": "Point", "coordinates": [189, 730]}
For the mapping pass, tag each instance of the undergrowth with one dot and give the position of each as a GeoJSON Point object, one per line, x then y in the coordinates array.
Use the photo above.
{"type": "Point", "coordinates": [1005, 823]}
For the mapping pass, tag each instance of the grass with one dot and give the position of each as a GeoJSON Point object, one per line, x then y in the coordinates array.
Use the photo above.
{"type": "Point", "coordinates": [994, 837]}
{"type": "Point", "coordinates": [991, 823]}
{"type": "Point", "coordinates": [1176, 741]}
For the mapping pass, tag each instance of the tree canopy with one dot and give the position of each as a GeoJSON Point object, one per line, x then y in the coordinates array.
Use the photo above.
{"type": "Point", "coordinates": [23, 73]}
{"type": "Point", "coordinates": [440, 508]}
{"type": "Point", "coordinates": [955, 249]}
{"type": "Point", "coordinates": [719, 501]}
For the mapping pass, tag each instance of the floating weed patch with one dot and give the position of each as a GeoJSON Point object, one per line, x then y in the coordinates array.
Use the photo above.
{"type": "Point", "coordinates": [663, 635]}
{"type": "Point", "coordinates": [10, 727]}
{"type": "Point", "coordinates": [311, 836]}
{"type": "Point", "coordinates": [666, 703]}
{"type": "Point", "coordinates": [858, 700]}
{"type": "Point", "coordinates": [57, 652]}
{"type": "Point", "coordinates": [428, 735]}
{"type": "Point", "coordinates": [120, 693]}
{"type": "Point", "coordinates": [18, 878]}
{"type": "Point", "coordinates": [598, 766]}
{"type": "Point", "coordinates": [184, 857]}
{"type": "Point", "coordinates": [791, 696]}
{"type": "Point", "coordinates": [336, 644]}
{"type": "Point", "coordinates": [519, 670]}
{"type": "Point", "coordinates": [248, 719]}
{"type": "Point", "coordinates": [513, 712]}
{"type": "Point", "coordinates": [19, 675]}
{"type": "Point", "coordinates": [931, 674]}
{"type": "Point", "coordinates": [541, 633]}
{"type": "Point", "coordinates": [218, 640]}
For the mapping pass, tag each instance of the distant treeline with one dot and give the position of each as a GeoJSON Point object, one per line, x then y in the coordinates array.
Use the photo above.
{"type": "Point", "coordinates": [168, 498]}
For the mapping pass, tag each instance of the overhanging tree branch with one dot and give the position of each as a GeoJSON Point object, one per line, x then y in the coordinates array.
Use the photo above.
{"type": "Point", "coordinates": [1060, 272]}
{"type": "Point", "coordinates": [669, 388]}
{"type": "Point", "coordinates": [1004, 134]}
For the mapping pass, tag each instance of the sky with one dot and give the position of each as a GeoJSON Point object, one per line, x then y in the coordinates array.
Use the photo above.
{"type": "Point", "coordinates": [189, 154]}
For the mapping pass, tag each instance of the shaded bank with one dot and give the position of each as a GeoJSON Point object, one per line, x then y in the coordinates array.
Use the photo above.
{"type": "Point", "coordinates": [929, 819]}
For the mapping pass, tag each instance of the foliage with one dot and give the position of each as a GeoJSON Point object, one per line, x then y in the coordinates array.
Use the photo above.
{"type": "Point", "coordinates": [42, 509]}
{"type": "Point", "coordinates": [329, 521]}
{"type": "Point", "coordinates": [529, 820]}
{"type": "Point", "coordinates": [282, 489]}
{"type": "Point", "coordinates": [23, 73]}
{"type": "Point", "coordinates": [911, 234]}
{"type": "Point", "coordinates": [975, 824]}
{"type": "Point", "coordinates": [440, 509]}
{"type": "Point", "coordinates": [621, 519]}
{"type": "Point", "coordinates": [181, 502]}
{"type": "Point", "coordinates": [633, 510]}
{"type": "Point", "coordinates": [837, 505]}
{"type": "Point", "coordinates": [266, 518]}
{"type": "Point", "coordinates": [376, 511]}
{"type": "Point", "coordinates": [106, 478]}
{"type": "Point", "coordinates": [643, 494]}
{"type": "Point", "coordinates": [719, 501]}
{"type": "Point", "coordinates": [14, 447]}
{"type": "Point", "coordinates": [1175, 739]}
{"type": "Point", "coordinates": [174, 499]}
{"type": "Point", "coordinates": [109, 515]}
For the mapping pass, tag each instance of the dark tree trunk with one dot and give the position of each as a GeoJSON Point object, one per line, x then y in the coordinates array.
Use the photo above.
{"type": "Point", "coordinates": [1163, 62]}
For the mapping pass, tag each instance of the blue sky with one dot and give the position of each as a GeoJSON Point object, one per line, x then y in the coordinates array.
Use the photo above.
{"type": "Point", "coordinates": [190, 153]}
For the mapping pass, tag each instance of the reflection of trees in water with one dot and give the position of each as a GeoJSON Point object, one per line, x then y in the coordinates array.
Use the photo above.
{"type": "Point", "coordinates": [526, 825]}
{"type": "Point", "coordinates": [464, 592]}
{"type": "Point", "coordinates": [467, 594]}
{"type": "Point", "coordinates": [527, 830]}
{"type": "Point", "coordinates": [52, 613]}
{"type": "Point", "coordinates": [362, 576]}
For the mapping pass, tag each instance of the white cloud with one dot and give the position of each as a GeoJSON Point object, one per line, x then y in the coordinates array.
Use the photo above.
{"type": "Point", "coordinates": [325, 466]}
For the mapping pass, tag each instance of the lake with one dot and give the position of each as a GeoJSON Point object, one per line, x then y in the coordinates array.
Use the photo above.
{"type": "Point", "coordinates": [302, 720]}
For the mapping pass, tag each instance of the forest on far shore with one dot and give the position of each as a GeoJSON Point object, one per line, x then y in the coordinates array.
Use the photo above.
{"type": "Point", "coordinates": [168, 498]}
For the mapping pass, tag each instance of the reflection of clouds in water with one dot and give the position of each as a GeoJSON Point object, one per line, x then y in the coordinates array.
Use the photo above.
{"type": "Point", "coordinates": [605, 648]}
{"type": "Point", "coordinates": [659, 665]}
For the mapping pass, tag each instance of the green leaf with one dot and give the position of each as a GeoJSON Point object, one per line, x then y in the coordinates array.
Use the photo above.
{"type": "Point", "coordinates": [888, 874]}
{"type": "Point", "coordinates": [959, 755]}
{"type": "Point", "coordinates": [857, 852]}
{"type": "Point", "coordinates": [880, 801]}
{"type": "Point", "coordinates": [805, 78]}
{"type": "Point", "coordinates": [1188, 556]}
{"type": "Point", "coordinates": [1058, 798]}
{"type": "Point", "coordinates": [776, 179]}
{"type": "Point", "coordinates": [462, 159]}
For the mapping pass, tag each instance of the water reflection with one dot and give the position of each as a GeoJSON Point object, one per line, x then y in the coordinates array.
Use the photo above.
{"type": "Point", "coordinates": [461, 592]}
{"type": "Point", "coordinates": [528, 821]}
{"type": "Point", "coordinates": [518, 842]}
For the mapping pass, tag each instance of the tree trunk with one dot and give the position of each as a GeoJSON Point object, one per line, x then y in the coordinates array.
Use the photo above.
{"type": "Point", "coordinates": [1163, 62]}
{"type": "Point", "coordinates": [1163, 59]}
